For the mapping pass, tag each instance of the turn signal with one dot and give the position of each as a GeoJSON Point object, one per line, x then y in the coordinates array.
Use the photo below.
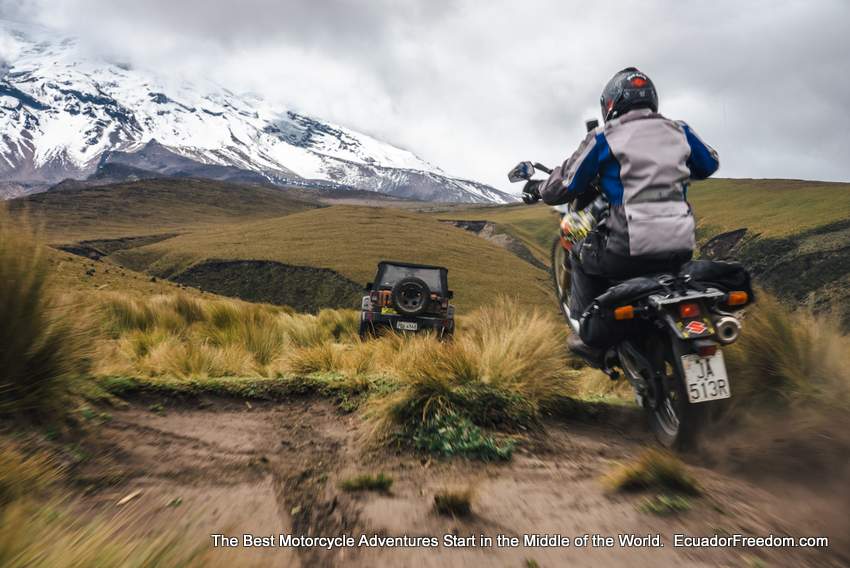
{"type": "Point", "coordinates": [738, 298]}
{"type": "Point", "coordinates": [624, 313]}
{"type": "Point", "coordinates": [689, 310]}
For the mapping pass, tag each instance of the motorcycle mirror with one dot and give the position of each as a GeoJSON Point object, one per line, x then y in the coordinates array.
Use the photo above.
{"type": "Point", "coordinates": [522, 172]}
{"type": "Point", "coordinates": [591, 124]}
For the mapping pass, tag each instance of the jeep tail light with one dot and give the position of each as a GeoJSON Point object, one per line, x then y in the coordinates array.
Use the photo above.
{"type": "Point", "coordinates": [373, 296]}
{"type": "Point", "coordinates": [737, 298]}
{"type": "Point", "coordinates": [689, 310]}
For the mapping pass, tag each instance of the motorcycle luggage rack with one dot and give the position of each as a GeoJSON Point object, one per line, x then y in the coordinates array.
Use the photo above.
{"type": "Point", "coordinates": [710, 293]}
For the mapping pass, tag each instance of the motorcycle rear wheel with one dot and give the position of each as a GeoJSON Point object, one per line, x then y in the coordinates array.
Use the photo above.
{"type": "Point", "coordinates": [675, 422]}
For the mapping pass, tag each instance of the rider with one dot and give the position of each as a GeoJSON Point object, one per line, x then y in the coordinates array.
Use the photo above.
{"type": "Point", "coordinates": [644, 162]}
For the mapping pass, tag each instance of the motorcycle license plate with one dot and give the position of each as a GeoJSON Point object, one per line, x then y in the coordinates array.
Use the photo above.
{"type": "Point", "coordinates": [407, 325]}
{"type": "Point", "coordinates": [705, 377]}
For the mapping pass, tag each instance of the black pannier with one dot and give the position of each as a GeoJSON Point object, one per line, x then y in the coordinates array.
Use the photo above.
{"type": "Point", "coordinates": [598, 328]}
{"type": "Point", "coordinates": [723, 275]}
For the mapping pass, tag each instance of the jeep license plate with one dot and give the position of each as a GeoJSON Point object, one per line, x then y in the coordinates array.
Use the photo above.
{"type": "Point", "coordinates": [407, 325]}
{"type": "Point", "coordinates": [705, 377]}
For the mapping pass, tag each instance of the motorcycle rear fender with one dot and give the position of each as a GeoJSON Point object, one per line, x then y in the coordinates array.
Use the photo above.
{"type": "Point", "coordinates": [669, 315]}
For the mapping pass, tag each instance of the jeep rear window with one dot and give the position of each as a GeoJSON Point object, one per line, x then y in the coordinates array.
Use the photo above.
{"type": "Point", "coordinates": [392, 274]}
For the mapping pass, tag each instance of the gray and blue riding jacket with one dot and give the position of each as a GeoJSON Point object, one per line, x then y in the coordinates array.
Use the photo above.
{"type": "Point", "coordinates": [644, 162]}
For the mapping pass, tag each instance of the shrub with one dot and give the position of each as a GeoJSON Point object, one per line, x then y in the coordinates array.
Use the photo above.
{"type": "Point", "coordinates": [453, 502]}
{"type": "Point", "coordinates": [653, 469]}
{"type": "Point", "coordinates": [452, 435]}
{"type": "Point", "coordinates": [368, 482]}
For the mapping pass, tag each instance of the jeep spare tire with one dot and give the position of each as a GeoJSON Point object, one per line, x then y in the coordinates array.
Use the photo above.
{"type": "Point", "coordinates": [410, 296]}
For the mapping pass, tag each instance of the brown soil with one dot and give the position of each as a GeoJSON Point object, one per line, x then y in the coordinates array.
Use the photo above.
{"type": "Point", "coordinates": [219, 466]}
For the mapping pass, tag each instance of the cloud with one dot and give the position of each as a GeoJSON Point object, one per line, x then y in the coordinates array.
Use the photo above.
{"type": "Point", "coordinates": [476, 86]}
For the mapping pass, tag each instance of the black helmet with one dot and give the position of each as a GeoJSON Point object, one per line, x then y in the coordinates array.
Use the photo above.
{"type": "Point", "coordinates": [627, 90]}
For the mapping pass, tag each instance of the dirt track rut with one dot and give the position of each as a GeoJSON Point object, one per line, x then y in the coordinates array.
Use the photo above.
{"type": "Point", "coordinates": [233, 468]}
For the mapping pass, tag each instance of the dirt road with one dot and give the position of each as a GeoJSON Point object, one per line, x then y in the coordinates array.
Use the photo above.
{"type": "Point", "coordinates": [227, 467]}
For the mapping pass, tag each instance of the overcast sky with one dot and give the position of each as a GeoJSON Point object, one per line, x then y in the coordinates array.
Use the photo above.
{"type": "Point", "coordinates": [476, 85]}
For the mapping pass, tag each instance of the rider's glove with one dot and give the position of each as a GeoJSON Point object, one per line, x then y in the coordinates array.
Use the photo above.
{"type": "Point", "coordinates": [531, 191]}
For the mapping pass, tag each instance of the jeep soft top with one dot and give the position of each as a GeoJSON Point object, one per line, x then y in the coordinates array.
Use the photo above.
{"type": "Point", "coordinates": [391, 272]}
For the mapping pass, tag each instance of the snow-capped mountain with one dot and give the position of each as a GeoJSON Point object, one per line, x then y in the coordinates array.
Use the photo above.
{"type": "Point", "coordinates": [64, 115]}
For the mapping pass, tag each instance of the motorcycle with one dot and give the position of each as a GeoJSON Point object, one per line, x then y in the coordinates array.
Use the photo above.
{"type": "Point", "coordinates": [664, 332]}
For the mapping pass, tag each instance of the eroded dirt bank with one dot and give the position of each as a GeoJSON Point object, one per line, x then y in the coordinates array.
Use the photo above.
{"type": "Point", "coordinates": [218, 466]}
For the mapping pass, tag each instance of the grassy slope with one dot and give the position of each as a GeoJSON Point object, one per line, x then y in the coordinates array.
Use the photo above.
{"type": "Point", "coordinates": [772, 208]}
{"type": "Point", "coordinates": [351, 240]}
{"type": "Point", "coordinates": [534, 225]}
{"type": "Point", "coordinates": [150, 207]}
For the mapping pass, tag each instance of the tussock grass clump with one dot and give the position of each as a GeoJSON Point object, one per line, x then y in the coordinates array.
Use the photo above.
{"type": "Point", "coordinates": [790, 360]}
{"type": "Point", "coordinates": [653, 469]}
{"type": "Point", "coordinates": [790, 381]}
{"type": "Point", "coordinates": [503, 364]}
{"type": "Point", "coordinates": [183, 336]}
{"type": "Point", "coordinates": [368, 482]}
{"type": "Point", "coordinates": [454, 502]}
{"type": "Point", "coordinates": [40, 352]}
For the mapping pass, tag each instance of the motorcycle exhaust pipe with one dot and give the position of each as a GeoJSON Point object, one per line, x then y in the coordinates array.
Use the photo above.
{"type": "Point", "coordinates": [727, 329]}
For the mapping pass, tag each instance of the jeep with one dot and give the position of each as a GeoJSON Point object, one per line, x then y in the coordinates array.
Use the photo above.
{"type": "Point", "coordinates": [408, 298]}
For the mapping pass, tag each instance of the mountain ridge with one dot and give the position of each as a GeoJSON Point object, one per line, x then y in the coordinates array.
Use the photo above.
{"type": "Point", "coordinates": [63, 115]}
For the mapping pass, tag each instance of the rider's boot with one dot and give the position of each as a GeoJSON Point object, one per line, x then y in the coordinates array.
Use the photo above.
{"type": "Point", "coordinates": [592, 355]}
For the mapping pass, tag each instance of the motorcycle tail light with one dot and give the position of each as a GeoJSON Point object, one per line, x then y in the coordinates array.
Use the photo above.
{"type": "Point", "coordinates": [624, 313]}
{"type": "Point", "coordinates": [737, 298]}
{"type": "Point", "coordinates": [690, 310]}
{"type": "Point", "coordinates": [707, 350]}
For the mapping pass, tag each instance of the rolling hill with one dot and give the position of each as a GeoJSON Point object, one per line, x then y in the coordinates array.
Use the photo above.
{"type": "Point", "coordinates": [266, 244]}
{"type": "Point", "coordinates": [151, 207]}
{"type": "Point", "coordinates": [350, 241]}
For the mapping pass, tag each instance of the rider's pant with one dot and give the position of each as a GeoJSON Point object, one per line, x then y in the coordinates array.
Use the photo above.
{"type": "Point", "coordinates": [593, 268]}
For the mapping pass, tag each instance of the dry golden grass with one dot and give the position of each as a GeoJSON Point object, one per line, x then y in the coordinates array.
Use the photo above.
{"type": "Point", "coordinates": [40, 350]}
{"type": "Point", "coordinates": [790, 381]}
{"type": "Point", "coordinates": [22, 475]}
{"type": "Point", "coordinates": [790, 359]}
{"type": "Point", "coordinates": [40, 526]}
{"type": "Point", "coordinates": [48, 535]}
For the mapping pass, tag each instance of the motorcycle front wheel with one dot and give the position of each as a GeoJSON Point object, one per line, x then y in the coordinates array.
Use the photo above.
{"type": "Point", "coordinates": [561, 277]}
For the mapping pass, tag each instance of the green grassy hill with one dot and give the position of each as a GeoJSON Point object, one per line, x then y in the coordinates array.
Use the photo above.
{"type": "Point", "coordinates": [772, 208]}
{"type": "Point", "coordinates": [798, 240]}
{"type": "Point", "coordinates": [351, 240]}
{"type": "Point", "coordinates": [253, 241]}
